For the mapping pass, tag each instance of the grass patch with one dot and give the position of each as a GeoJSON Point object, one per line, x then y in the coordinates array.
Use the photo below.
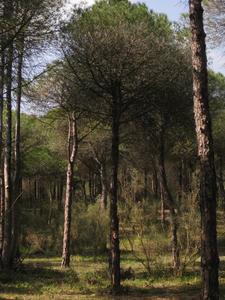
{"type": "Point", "coordinates": [88, 278]}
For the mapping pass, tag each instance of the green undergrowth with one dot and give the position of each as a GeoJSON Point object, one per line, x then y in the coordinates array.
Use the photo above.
{"type": "Point", "coordinates": [44, 278]}
{"type": "Point", "coordinates": [88, 278]}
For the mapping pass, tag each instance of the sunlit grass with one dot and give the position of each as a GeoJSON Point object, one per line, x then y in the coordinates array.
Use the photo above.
{"type": "Point", "coordinates": [43, 278]}
{"type": "Point", "coordinates": [88, 278]}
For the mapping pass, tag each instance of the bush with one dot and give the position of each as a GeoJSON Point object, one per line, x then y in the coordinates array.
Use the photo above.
{"type": "Point", "coordinates": [142, 233]}
{"type": "Point", "coordinates": [144, 238]}
{"type": "Point", "coordinates": [89, 229]}
{"type": "Point", "coordinates": [189, 230]}
{"type": "Point", "coordinates": [96, 277]}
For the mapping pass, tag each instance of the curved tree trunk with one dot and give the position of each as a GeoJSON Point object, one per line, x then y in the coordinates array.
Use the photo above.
{"type": "Point", "coordinates": [209, 253]}
{"type": "Point", "coordinates": [72, 151]}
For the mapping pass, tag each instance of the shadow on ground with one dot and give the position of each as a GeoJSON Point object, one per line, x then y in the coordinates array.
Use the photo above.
{"type": "Point", "coordinates": [45, 280]}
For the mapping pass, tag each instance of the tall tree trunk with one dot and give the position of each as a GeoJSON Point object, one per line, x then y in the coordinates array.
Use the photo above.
{"type": "Point", "coordinates": [17, 183]}
{"type": "Point", "coordinates": [2, 201]}
{"type": "Point", "coordinates": [72, 151]}
{"type": "Point", "coordinates": [209, 253]}
{"type": "Point", "coordinates": [114, 220]}
{"type": "Point", "coordinates": [169, 201]}
{"type": "Point", "coordinates": [7, 250]}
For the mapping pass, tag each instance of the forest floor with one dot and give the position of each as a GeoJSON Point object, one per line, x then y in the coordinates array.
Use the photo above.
{"type": "Point", "coordinates": [87, 278]}
{"type": "Point", "coordinates": [42, 278]}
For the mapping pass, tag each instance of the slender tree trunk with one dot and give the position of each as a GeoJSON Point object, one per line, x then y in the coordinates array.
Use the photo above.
{"type": "Point", "coordinates": [72, 151]}
{"type": "Point", "coordinates": [17, 184]}
{"type": "Point", "coordinates": [170, 203]}
{"type": "Point", "coordinates": [2, 202]}
{"type": "Point", "coordinates": [7, 244]}
{"type": "Point", "coordinates": [154, 181]}
{"type": "Point", "coordinates": [163, 220]}
{"type": "Point", "coordinates": [114, 220]}
{"type": "Point", "coordinates": [209, 253]}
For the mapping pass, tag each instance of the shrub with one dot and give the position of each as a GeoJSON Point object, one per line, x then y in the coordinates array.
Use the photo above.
{"type": "Point", "coordinates": [89, 229]}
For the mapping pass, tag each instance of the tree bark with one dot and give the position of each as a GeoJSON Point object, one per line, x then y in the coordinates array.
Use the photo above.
{"type": "Point", "coordinates": [72, 151]}
{"type": "Point", "coordinates": [7, 244]}
{"type": "Point", "coordinates": [2, 202]}
{"type": "Point", "coordinates": [17, 182]}
{"type": "Point", "coordinates": [209, 253]}
{"type": "Point", "coordinates": [114, 220]}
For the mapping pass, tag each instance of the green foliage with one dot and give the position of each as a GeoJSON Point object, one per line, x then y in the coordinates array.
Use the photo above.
{"type": "Point", "coordinates": [143, 234]}
{"type": "Point", "coordinates": [96, 277]}
{"type": "Point", "coordinates": [39, 238]}
{"type": "Point", "coordinates": [89, 229]}
{"type": "Point", "coordinates": [217, 105]}
{"type": "Point", "coordinates": [148, 240]}
{"type": "Point", "coordinates": [40, 153]}
{"type": "Point", "coordinates": [189, 229]}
